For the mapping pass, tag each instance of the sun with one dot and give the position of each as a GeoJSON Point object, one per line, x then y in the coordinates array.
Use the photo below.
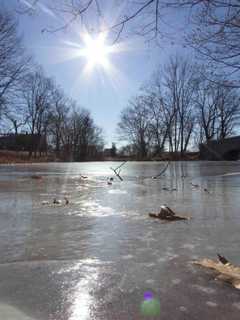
{"type": "Point", "coordinates": [96, 51]}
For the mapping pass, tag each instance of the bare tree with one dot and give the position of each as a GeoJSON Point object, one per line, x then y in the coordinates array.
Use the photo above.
{"type": "Point", "coordinates": [14, 114]}
{"type": "Point", "coordinates": [216, 32]}
{"type": "Point", "coordinates": [228, 111]}
{"type": "Point", "coordinates": [58, 117]}
{"type": "Point", "coordinates": [94, 16]}
{"type": "Point", "coordinates": [83, 139]}
{"type": "Point", "coordinates": [36, 92]}
{"type": "Point", "coordinates": [13, 61]}
{"type": "Point", "coordinates": [217, 110]}
{"type": "Point", "coordinates": [157, 125]}
{"type": "Point", "coordinates": [161, 113]}
{"type": "Point", "coordinates": [17, 118]}
{"type": "Point", "coordinates": [180, 84]}
{"type": "Point", "coordinates": [134, 126]}
{"type": "Point", "coordinates": [212, 28]}
{"type": "Point", "coordinates": [164, 111]}
{"type": "Point", "coordinates": [207, 96]}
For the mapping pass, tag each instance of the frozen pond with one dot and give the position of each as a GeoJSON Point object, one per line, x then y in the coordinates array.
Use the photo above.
{"type": "Point", "coordinates": [98, 256]}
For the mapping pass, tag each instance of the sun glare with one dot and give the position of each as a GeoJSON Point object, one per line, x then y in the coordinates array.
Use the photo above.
{"type": "Point", "coordinates": [96, 51]}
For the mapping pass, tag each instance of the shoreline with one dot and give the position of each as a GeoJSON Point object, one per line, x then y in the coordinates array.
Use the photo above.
{"type": "Point", "coordinates": [18, 157]}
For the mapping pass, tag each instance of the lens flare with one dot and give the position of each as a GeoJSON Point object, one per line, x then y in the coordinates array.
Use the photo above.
{"type": "Point", "coordinates": [150, 307]}
{"type": "Point", "coordinates": [96, 60]}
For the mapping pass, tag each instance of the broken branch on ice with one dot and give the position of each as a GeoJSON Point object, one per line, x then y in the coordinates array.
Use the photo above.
{"type": "Point", "coordinates": [118, 169]}
{"type": "Point", "coordinates": [162, 172]}
{"type": "Point", "coordinates": [225, 270]}
{"type": "Point", "coordinates": [167, 214]}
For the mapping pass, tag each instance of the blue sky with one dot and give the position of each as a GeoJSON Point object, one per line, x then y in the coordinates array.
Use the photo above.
{"type": "Point", "coordinates": [105, 95]}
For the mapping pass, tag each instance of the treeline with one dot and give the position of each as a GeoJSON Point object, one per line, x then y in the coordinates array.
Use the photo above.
{"type": "Point", "coordinates": [179, 109]}
{"type": "Point", "coordinates": [32, 102]}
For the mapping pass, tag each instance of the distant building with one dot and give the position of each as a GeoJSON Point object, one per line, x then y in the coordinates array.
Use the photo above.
{"type": "Point", "coordinates": [23, 142]}
{"type": "Point", "coordinates": [224, 149]}
{"type": "Point", "coordinates": [81, 153]}
{"type": "Point", "coordinates": [110, 152]}
{"type": "Point", "coordinates": [107, 152]}
{"type": "Point", "coordinates": [93, 152]}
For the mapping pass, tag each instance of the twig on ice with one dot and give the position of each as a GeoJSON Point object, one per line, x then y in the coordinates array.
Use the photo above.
{"type": "Point", "coordinates": [164, 169]}
{"type": "Point", "coordinates": [117, 170]}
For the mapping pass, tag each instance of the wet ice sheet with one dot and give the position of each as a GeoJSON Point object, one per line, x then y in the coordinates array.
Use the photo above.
{"type": "Point", "coordinates": [9, 313]}
{"type": "Point", "coordinates": [95, 258]}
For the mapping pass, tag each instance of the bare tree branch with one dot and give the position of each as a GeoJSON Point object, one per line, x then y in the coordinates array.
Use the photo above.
{"type": "Point", "coordinates": [117, 170]}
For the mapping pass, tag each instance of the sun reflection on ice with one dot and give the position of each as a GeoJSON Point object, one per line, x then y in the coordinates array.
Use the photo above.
{"type": "Point", "coordinates": [82, 304]}
{"type": "Point", "coordinates": [82, 301]}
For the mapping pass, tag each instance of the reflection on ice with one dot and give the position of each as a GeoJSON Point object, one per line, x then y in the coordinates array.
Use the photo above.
{"type": "Point", "coordinates": [79, 265]}
{"type": "Point", "coordinates": [236, 305]}
{"type": "Point", "coordinates": [8, 312]}
{"type": "Point", "coordinates": [211, 304]}
{"type": "Point", "coordinates": [189, 246]}
{"type": "Point", "coordinates": [231, 174]}
{"type": "Point", "coordinates": [176, 281]}
{"type": "Point", "coordinates": [183, 309]}
{"type": "Point", "coordinates": [117, 191]}
{"type": "Point", "coordinates": [207, 290]}
{"type": "Point", "coordinates": [81, 298]}
{"type": "Point", "coordinates": [149, 282]}
{"type": "Point", "coordinates": [90, 208]}
{"type": "Point", "coordinates": [82, 304]}
{"type": "Point", "coordinates": [127, 257]}
{"type": "Point", "coordinates": [97, 256]}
